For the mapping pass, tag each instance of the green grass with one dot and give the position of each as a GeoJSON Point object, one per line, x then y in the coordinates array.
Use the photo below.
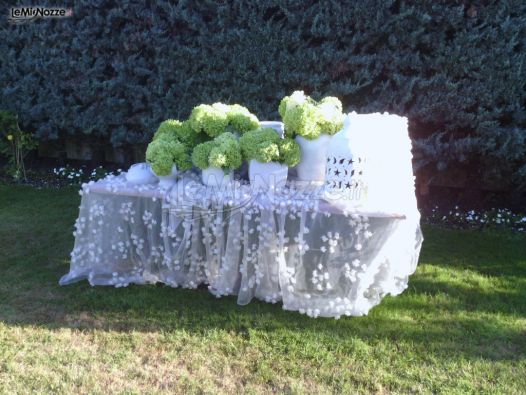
{"type": "Point", "coordinates": [460, 327]}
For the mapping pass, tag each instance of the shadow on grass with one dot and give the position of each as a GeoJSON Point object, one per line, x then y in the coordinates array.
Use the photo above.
{"type": "Point", "coordinates": [441, 312]}
{"type": "Point", "coordinates": [452, 325]}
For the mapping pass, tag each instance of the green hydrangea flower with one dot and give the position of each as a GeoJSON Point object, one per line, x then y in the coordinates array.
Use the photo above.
{"type": "Point", "coordinates": [208, 119]}
{"type": "Point", "coordinates": [289, 102]}
{"type": "Point", "coordinates": [303, 120]}
{"type": "Point", "coordinates": [167, 129]}
{"type": "Point", "coordinates": [201, 153]}
{"type": "Point", "coordinates": [332, 100]}
{"type": "Point", "coordinates": [172, 128]}
{"type": "Point", "coordinates": [251, 141]}
{"type": "Point", "coordinates": [304, 117]}
{"type": "Point", "coordinates": [267, 151]}
{"type": "Point", "coordinates": [289, 152]}
{"type": "Point", "coordinates": [225, 137]}
{"type": "Point", "coordinates": [282, 109]}
{"type": "Point", "coordinates": [265, 145]}
{"type": "Point", "coordinates": [240, 119]}
{"type": "Point", "coordinates": [331, 116]}
{"type": "Point", "coordinates": [222, 152]}
{"type": "Point", "coordinates": [163, 153]}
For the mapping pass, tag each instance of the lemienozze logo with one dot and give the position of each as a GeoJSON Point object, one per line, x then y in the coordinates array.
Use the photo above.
{"type": "Point", "coordinates": [25, 14]}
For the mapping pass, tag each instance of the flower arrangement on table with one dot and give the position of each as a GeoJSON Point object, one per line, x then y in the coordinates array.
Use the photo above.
{"type": "Point", "coordinates": [311, 124]}
{"type": "Point", "coordinates": [305, 117]}
{"type": "Point", "coordinates": [269, 156]}
{"type": "Point", "coordinates": [174, 141]}
{"type": "Point", "coordinates": [210, 137]}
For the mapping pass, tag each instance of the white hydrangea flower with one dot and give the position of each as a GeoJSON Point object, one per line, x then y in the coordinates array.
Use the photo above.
{"type": "Point", "coordinates": [296, 99]}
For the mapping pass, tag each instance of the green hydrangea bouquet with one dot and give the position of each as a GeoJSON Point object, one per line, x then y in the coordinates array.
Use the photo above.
{"type": "Point", "coordinates": [219, 118]}
{"type": "Point", "coordinates": [309, 119]}
{"type": "Point", "coordinates": [163, 153]}
{"type": "Point", "coordinates": [222, 152]}
{"type": "Point", "coordinates": [173, 128]}
{"type": "Point", "coordinates": [265, 145]}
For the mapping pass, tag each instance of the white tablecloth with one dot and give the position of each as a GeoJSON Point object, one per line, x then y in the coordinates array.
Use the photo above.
{"type": "Point", "coordinates": [290, 246]}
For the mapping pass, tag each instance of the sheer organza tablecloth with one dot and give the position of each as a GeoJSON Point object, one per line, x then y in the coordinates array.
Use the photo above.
{"type": "Point", "coordinates": [316, 256]}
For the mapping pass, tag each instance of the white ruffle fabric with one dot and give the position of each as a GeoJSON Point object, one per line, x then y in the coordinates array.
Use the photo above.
{"type": "Point", "coordinates": [290, 245]}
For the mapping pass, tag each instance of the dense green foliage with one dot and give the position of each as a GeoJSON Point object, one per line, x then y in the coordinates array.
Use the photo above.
{"type": "Point", "coordinates": [265, 145]}
{"type": "Point", "coordinates": [114, 71]}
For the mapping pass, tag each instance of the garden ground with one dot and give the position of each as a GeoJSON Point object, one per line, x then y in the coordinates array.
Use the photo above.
{"type": "Point", "coordinates": [460, 327]}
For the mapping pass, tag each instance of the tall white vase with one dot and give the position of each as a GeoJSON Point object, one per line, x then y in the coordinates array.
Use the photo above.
{"type": "Point", "coordinates": [214, 176]}
{"type": "Point", "coordinates": [169, 180]}
{"type": "Point", "coordinates": [313, 158]}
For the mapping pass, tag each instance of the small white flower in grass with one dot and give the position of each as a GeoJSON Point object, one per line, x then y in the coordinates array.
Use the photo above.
{"type": "Point", "coordinates": [357, 246]}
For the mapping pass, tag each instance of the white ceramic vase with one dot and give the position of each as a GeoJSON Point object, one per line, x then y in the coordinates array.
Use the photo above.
{"type": "Point", "coordinates": [140, 173]}
{"type": "Point", "coordinates": [214, 176]}
{"type": "Point", "coordinates": [169, 180]}
{"type": "Point", "coordinates": [265, 176]}
{"type": "Point", "coordinates": [313, 157]}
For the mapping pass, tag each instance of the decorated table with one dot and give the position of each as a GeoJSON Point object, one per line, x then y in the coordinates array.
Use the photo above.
{"type": "Point", "coordinates": [329, 248]}
{"type": "Point", "coordinates": [292, 246]}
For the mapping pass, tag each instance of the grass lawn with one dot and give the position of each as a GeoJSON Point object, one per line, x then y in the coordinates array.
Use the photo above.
{"type": "Point", "coordinates": [460, 327]}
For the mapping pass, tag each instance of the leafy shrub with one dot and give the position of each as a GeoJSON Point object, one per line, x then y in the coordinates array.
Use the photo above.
{"type": "Point", "coordinates": [14, 144]}
{"type": "Point", "coordinates": [69, 175]}
{"type": "Point", "coordinates": [500, 218]}
{"type": "Point", "coordinates": [115, 71]}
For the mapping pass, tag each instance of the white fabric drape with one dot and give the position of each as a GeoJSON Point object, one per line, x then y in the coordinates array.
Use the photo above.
{"type": "Point", "coordinates": [319, 255]}
{"type": "Point", "coordinates": [291, 246]}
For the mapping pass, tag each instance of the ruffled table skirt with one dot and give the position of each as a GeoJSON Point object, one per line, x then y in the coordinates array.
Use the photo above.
{"type": "Point", "coordinates": [291, 246]}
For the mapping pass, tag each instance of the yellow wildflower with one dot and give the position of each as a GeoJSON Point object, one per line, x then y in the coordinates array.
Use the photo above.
{"type": "Point", "coordinates": [10, 137]}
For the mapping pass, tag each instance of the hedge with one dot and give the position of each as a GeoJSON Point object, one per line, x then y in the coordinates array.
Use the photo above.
{"type": "Point", "coordinates": [116, 69]}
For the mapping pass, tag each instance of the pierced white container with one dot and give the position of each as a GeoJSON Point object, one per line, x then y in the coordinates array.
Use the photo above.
{"type": "Point", "coordinates": [346, 162]}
